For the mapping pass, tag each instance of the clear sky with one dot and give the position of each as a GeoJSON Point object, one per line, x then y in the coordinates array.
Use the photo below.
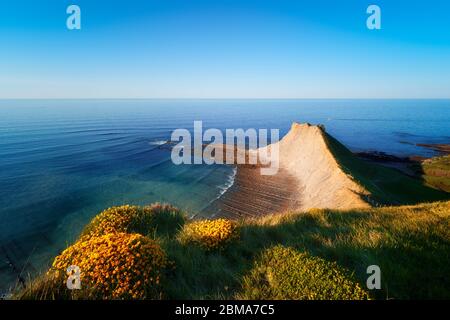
{"type": "Point", "coordinates": [225, 49]}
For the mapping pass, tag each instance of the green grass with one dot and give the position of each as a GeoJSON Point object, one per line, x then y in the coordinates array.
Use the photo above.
{"type": "Point", "coordinates": [156, 220]}
{"type": "Point", "coordinates": [386, 185]}
{"type": "Point", "coordinates": [286, 273]}
{"type": "Point", "coordinates": [411, 245]}
{"type": "Point", "coordinates": [319, 254]}
{"type": "Point", "coordinates": [436, 172]}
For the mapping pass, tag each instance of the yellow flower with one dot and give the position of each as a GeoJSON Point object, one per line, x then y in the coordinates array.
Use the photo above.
{"type": "Point", "coordinates": [132, 219]}
{"type": "Point", "coordinates": [209, 234]}
{"type": "Point", "coordinates": [114, 264]}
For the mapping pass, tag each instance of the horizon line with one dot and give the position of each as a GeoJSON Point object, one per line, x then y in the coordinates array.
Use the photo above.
{"type": "Point", "coordinates": [255, 98]}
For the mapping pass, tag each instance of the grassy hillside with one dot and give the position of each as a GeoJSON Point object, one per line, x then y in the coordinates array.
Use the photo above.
{"type": "Point", "coordinates": [436, 172]}
{"type": "Point", "coordinates": [386, 185]}
{"type": "Point", "coordinates": [320, 254]}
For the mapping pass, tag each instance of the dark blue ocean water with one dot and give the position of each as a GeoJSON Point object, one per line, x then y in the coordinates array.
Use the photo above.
{"type": "Point", "coordinates": [62, 162]}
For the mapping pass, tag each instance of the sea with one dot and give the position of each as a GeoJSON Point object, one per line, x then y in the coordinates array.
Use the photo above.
{"type": "Point", "coordinates": [64, 161]}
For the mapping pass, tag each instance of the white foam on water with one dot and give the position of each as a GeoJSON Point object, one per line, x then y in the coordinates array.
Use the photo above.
{"type": "Point", "coordinates": [228, 184]}
{"type": "Point", "coordinates": [158, 142]}
{"type": "Point", "coordinates": [223, 189]}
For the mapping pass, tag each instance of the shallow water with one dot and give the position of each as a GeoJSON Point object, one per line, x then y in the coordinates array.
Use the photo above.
{"type": "Point", "coordinates": [62, 162]}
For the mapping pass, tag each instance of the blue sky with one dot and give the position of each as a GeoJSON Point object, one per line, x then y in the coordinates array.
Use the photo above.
{"type": "Point", "coordinates": [225, 49]}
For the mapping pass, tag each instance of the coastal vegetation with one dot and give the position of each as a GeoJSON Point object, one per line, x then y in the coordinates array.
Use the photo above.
{"type": "Point", "coordinates": [160, 219]}
{"type": "Point", "coordinates": [436, 172]}
{"type": "Point", "coordinates": [387, 186]}
{"type": "Point", "coordinates": [285, 273]}
{"type": "Point", "coordinates": [209, 234]}
{"type": "Point", "coordinates": [116, 265]}
{"type": "Point", "coordinates": [325, 252]}
{"type": "Point", "coordinates": [376, 216]}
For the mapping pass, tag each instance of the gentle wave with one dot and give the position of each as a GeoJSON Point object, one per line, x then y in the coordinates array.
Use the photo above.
{"type": "Point", "coordinates": [228, 184]}
{"type": "Point", "coordinates": [158, 142]}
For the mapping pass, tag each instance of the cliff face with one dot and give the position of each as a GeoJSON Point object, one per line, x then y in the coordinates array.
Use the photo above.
{"type": "Point", "coordinates": [316, 171]}
{"type": "Point", "coordinates": [321, 181]}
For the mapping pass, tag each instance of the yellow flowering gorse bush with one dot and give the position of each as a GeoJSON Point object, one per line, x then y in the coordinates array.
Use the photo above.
{"type": "Point", "coordinates": [117, 219]}
{"type": "Point", "coordinates": [134, 219]}
{"type": "Point", "coordinates": [209, 234]}
{"type": "Point", "coordinates": [114, 266]}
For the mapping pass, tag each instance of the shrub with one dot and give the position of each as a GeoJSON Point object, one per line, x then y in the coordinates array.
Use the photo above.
{"type": "Point", "coordinates": [158, 218]}
{"type": "Point", "coordinates": [284, 273]}
{"type": "Point", "coordinates": [113, 266]}
{"type": "Point", "coordinates": [166, 219]}
{"type": "Point", "coordinates": [209, 234]}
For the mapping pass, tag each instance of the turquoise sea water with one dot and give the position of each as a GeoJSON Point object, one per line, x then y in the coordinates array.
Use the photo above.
{"type": "Point", "coordinates": [62, 162]}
